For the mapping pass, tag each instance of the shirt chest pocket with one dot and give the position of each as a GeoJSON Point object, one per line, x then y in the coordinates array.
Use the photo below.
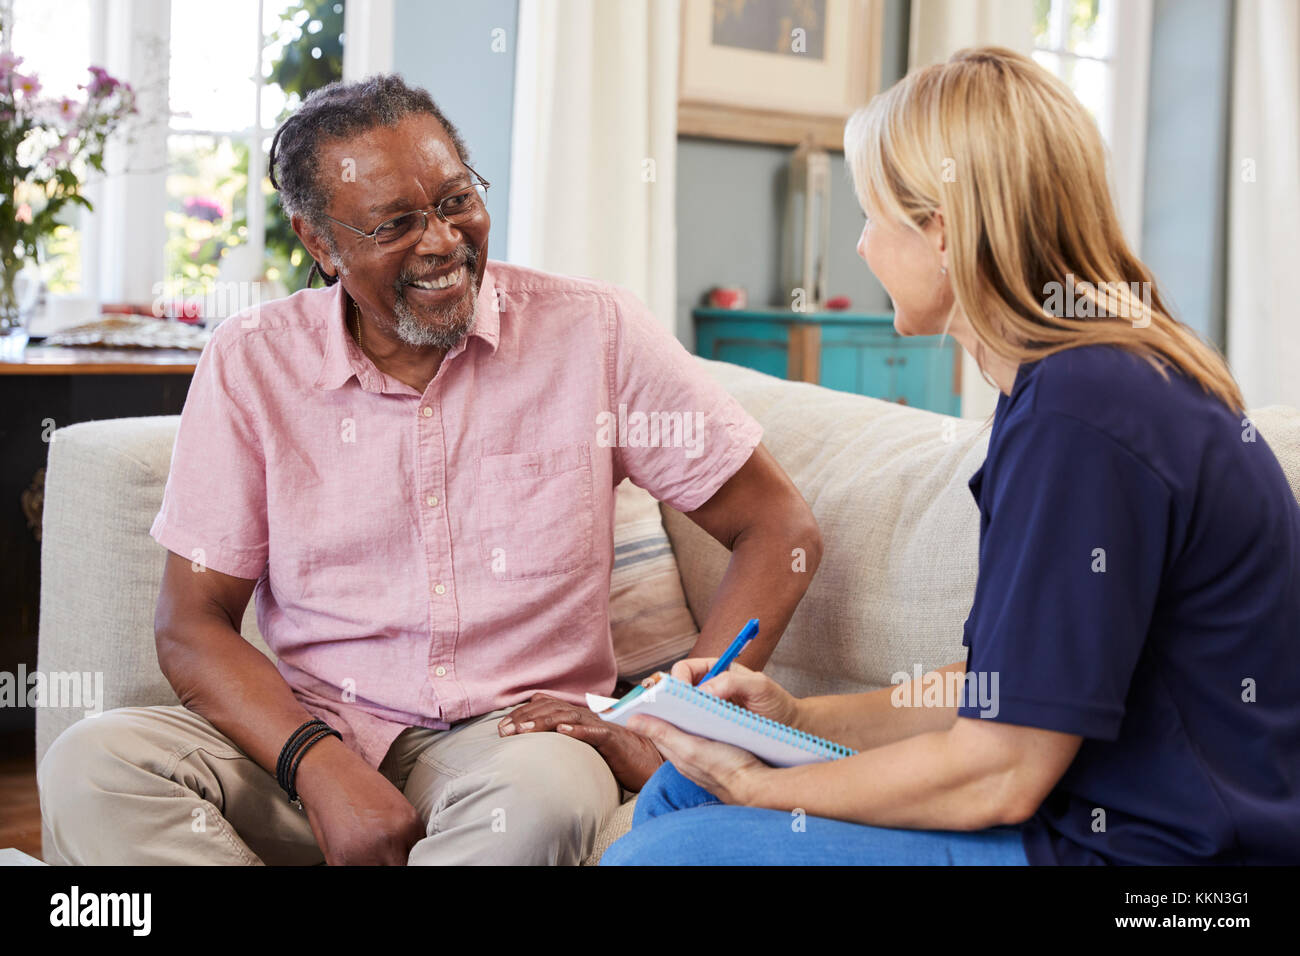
{"type": "Point", "coordinates": [535, 512]}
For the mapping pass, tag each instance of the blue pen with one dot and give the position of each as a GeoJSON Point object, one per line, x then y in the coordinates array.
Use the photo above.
{"type": "Point", "coordinates": [747, 634]}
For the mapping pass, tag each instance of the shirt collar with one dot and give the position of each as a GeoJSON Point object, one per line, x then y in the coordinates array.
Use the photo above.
{"type": "Point", "coordinates": [343, 358]}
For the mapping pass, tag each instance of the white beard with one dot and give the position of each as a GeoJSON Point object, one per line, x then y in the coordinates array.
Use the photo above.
{"type": "Point", "coordinates": [450, 325]}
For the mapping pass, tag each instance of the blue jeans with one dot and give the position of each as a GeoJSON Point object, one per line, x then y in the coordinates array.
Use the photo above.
{"type": "Point", "coordinates": [679, 823]}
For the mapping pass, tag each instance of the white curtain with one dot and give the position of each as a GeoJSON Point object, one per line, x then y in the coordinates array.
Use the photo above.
{"type": "Point", "coordinates": [594, 145]}
{"type": "Point", "coordinates": [939, 29]}
{"type": "Point", "coordinates": [1263, 324]}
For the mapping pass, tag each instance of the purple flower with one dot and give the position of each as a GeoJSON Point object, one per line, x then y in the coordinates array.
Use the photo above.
{"type": "Point", "coordinates": [101, 82]}
{"type": "Point", "coordinates": [28, 84]}
{"type": "Point", "coordinates": [208, 210]}
{"type": "Point", "coordinates": [61, 153]}
{"type": "Point", "coordinates": [8, 62]}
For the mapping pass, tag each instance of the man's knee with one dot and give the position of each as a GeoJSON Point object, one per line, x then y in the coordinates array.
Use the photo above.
{"type": "Point", "coordinates": [75, 754]}
{"type": "Point", "coordinates": [70, 774]}
{"type": "Point", "coordinates": [557, 790]}
{"type": "Point", "coordinates": [91, 756]}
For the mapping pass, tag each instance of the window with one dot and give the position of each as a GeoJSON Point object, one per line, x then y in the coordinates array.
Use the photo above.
{"type": "Point", "coordinates": [230, 78]}
{"type": "Point", "coordinates": [54, 41]}
{"type": "Point", "coordinates": [1102, 50]}
{"type": "Point", "coordinates": [233, 78]}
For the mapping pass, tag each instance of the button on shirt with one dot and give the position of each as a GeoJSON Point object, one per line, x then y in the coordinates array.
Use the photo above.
{"type": "Point", "coordinates": [425, 558]}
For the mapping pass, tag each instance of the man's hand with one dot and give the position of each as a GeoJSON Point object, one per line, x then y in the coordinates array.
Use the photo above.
{"type": "Point", "coordinates": [631, 757]}
{"type": "Point", "coordinates": [358, 817]}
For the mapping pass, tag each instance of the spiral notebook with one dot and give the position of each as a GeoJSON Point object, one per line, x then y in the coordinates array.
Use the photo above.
{"type": "Point", "coordinates": [697, 712]}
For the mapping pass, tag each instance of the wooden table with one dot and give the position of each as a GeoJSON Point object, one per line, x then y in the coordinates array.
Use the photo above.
{"type": "Point", "coordinates": [87, 360]}
{"type": "Point", "coordinates": [42, 388]}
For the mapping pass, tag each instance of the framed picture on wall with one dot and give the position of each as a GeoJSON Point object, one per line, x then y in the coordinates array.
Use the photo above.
{"type": "Point", "coordinates": [776, 71]}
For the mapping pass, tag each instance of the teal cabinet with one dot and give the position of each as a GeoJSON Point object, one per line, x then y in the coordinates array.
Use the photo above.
{"type": "Point", "coordinates": [851, 352]}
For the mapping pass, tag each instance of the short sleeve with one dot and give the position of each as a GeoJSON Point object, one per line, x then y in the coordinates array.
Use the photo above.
{"type": "Point", "coordinates": [677, 432]}
{"type": "Point", "coordinates": [214, 506]}
{"type": "Point", "coordinates": [1072, 551]}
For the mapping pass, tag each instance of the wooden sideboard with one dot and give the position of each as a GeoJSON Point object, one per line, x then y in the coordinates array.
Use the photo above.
{"type": "Point", "coordinates": [43, 388]}
{"type": "Point", "coordinates": [848, 351]}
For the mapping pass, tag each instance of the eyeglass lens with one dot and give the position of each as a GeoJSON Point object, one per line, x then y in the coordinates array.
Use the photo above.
{"type": "Point", "coordinates": [457, 209]}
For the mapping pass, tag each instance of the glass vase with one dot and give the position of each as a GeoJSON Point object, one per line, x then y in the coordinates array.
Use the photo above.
{"type": "Point", "coordinates": [18, 292]}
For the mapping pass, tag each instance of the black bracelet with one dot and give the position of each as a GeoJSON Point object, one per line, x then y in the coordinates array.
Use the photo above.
{"type": "Point", "coordinates": [319, 735]}
{"type": "Point", "coordinates": [290, 747]}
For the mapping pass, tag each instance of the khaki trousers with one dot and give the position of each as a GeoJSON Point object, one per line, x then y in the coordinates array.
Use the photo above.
{"type": "Point", "coordinates": [161, 785]}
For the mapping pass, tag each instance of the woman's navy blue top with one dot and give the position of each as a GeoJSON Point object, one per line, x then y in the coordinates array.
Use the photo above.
{"type": "Point", "coordinates": [1139, 586]}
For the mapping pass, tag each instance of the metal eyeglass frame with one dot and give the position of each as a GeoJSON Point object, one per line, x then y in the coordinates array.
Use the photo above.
{"type": "Point", "coordinates": [437, 209]}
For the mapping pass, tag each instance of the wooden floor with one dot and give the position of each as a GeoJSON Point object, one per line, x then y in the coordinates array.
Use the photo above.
{"type": "Point", "coordinates": [20, 808]}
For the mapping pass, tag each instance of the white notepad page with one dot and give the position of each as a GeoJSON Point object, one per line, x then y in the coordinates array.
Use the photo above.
{"type": "Point", "coordinates": [698, 712]}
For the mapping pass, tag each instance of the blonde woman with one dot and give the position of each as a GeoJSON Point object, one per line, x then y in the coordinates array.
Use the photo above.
{"type": "Point", "coordinates": [1138, 594]}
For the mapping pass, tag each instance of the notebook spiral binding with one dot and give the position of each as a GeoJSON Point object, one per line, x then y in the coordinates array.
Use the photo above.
{"type": "Point", "coordinates": [764, 725]}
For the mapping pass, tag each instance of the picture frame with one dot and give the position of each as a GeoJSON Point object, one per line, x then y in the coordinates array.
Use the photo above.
{"type": "Point", "coordinates": [736, 82]}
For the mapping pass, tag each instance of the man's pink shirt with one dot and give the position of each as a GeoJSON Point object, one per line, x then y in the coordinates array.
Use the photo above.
{"type": "Point", "coordinates": [424, 558]}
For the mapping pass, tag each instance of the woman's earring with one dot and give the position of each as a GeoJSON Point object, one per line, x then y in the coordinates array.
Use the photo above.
{"type": "Point", "coordinates": [943, 270]}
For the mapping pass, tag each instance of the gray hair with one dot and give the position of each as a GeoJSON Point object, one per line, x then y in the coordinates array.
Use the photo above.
{"type": "Point", "coordinates": [339, 111]}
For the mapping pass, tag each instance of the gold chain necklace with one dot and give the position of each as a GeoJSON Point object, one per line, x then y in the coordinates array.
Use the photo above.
{"type": "Point", "coordinates": [357, 309]}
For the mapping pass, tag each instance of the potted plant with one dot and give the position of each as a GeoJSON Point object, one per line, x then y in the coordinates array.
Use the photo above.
{"type": "Point", "coordinates": [47, 148]}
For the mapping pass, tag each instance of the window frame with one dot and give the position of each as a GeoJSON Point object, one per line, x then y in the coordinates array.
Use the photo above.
{"type": "Point", "coordinates": [1125, 128]}
{"type": "Point", "coordinates": [123, 257]}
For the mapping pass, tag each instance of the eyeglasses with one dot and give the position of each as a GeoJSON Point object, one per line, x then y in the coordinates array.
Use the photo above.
{"type": "Point", "coordinates": [402, 232]}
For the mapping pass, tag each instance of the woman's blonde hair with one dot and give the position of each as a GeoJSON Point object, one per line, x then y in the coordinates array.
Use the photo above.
{"type": "Point", "coordinates": [1036, 256]}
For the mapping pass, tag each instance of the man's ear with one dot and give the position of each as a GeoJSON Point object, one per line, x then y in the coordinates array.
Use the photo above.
{"type": "Point", "coordinates": [315, 246]}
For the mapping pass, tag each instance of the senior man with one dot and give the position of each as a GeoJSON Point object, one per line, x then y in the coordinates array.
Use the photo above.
{"type": "Point", "coordinates": [406, 468]}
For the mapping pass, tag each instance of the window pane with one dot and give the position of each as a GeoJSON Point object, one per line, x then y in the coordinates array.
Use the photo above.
{"type": "Point", "coordinates": [213, 58]}
{"type": "Point", "coordinates": [1090, 81]}
{"type": "Point", "coordinates": [1048, 61]}
{"type": "Point", "coordinates": [298, 31]}
{"type": "Point", "coordinates": [54, 42]}
{"type": "Point", "coordinates": [1088, 35]}
{"type": "Point", "coordinates": [207, 185]}
{"type": "Point", "coordinates": [304, 51]}
{"type": "Point", "coordinates": [206, 209]}
{"type": "Point", "coordinates": [1042, 22]}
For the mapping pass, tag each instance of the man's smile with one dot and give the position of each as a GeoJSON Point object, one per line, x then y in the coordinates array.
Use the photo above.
{"type": "Point", "coordinates": [446, 282]}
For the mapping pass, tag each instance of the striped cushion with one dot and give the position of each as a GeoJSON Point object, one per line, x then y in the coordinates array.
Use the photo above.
{"type": "Point", "coordinates": [648, 616]}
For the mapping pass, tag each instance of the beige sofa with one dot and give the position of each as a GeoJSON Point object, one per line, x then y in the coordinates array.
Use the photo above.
{"type": "Point", "coordinates": [887, 484]}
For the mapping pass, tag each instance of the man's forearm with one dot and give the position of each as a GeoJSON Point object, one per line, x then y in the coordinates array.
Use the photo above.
{"type": "Point", "coordinates": [226, 680]}
{"type": "Point", "coordinates": [769, 572]}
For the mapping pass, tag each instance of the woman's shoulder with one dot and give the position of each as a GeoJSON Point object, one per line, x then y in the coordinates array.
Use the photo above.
{"type": "Point", "coordinates": [1157, 414]}
{"type": "Point", "coordinates": [1103, 383]}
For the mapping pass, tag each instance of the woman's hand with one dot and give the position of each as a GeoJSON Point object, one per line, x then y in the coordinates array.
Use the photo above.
{"type": "Point", "coordinates": [752, 690]}
{"type": "Point", "coordinates": [729, 773]}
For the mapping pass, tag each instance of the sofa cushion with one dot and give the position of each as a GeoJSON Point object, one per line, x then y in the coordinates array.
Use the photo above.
{"type": "Point", "coordinates": [648, 617]}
